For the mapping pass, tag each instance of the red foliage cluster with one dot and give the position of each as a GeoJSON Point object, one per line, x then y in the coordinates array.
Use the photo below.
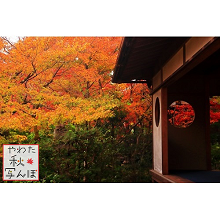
{"type": "Point", "coordinates": [214, 111]}
{"type": "Point", "coordinates": [181, 115]}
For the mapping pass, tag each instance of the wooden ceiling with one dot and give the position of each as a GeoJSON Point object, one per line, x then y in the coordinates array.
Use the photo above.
{"type": "Point", "coordinates": [140, 58]}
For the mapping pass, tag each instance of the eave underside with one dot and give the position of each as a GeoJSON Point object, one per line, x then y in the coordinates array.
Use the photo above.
{"type": "Point", "coordinates": [141, 57]}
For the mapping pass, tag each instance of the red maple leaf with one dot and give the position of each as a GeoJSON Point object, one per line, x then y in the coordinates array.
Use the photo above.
{"type": "Point", "coordinates": [30, 161]}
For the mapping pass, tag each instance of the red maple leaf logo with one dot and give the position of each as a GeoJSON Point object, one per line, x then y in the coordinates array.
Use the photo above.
{"type": "Point", "coordinates": [30, 161]}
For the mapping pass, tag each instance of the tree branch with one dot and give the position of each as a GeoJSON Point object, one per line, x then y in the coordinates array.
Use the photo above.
{"type": "Point", "coordinates": [54, 75]}
{"type": "Point", "coordinates": [5, 38]}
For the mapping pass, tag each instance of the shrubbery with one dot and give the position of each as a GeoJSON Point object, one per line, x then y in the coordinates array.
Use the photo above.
{"type": "Point", "coordinates": [92, 154]}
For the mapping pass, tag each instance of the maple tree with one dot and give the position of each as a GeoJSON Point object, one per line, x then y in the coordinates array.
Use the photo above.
{"type": "Point", "coordinates": [181, 114]}
{"type": "Point", "coordinates": [214, 109]}
{"type": "Point", "coordinates": [53, 80]}
{"type": "Point", "coordinates": [51, 83]}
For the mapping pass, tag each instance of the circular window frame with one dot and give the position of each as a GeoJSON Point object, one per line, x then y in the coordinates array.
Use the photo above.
{"type": "Point", "coordinates": [178, 103]}
{"type": "Point", "coordinates": [157, 112]}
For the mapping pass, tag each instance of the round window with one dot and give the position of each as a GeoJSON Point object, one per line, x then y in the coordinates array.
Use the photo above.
{"type": "Point", "coordinates": [157, 112]}
{"type": "Point", "coordinates": [181, 114]}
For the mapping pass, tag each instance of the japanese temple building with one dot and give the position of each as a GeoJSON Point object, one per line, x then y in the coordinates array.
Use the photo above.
{"type": "Point", "coordinates": [179, 71]}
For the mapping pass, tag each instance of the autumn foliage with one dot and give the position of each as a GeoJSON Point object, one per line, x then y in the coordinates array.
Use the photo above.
{"type": "Point", "coordinates": [181, 114]}
{"type": "Point", "coordinates": [58, 92]}
{"type": "Point", "coordinates": [214, 110]}
{"type": "Point", "coordinates": [50, 84]}
{"type": "Point", "coordinates": [49, 80]}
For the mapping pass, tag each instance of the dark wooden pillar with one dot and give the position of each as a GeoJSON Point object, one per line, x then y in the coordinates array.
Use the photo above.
{"type": "Point", "coordinates": [207, 123]}
{"type": "Point", "coordinates": [165, 169]}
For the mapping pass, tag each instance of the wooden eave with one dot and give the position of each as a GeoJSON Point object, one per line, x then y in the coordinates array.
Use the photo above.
{"type": "Point", "coordinates": [141, 57]}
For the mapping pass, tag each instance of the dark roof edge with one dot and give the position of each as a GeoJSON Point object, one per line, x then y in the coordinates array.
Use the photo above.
{"type": "Point", "coordinates": [125, 51]}
{"type": "Point", "coordinates": [123, 55]}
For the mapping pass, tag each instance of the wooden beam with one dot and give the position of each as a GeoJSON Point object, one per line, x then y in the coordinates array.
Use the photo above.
{"type": "Point", "coordinates": [198, 58]}
{"type": "Point", "coordinates": [160, 178]}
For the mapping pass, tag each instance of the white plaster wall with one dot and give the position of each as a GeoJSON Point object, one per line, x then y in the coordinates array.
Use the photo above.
{"type": "Point", "coordinates": [157, 137]}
